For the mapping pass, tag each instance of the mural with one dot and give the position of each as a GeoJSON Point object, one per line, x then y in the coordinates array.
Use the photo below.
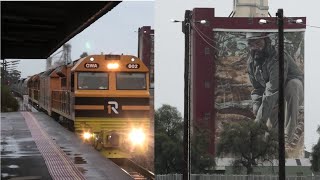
{"type": "Point", "coordinates": [247, 82]}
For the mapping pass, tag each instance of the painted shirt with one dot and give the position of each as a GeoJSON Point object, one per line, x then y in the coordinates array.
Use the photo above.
{"type": "Point", "coordinates": [265, 81]}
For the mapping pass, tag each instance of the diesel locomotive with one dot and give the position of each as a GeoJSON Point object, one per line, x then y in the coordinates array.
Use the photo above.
{"type": "Point", "coordinates": [102, 98]}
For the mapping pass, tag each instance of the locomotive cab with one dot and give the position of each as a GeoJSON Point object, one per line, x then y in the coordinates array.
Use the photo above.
{"type": "Point", "coordinates": [111, 102]}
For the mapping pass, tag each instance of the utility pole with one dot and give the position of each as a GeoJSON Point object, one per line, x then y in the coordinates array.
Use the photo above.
{"type": "Point", "coordinates": [186, 28]}
{"type": "Point", "coordinates": [281, 114]}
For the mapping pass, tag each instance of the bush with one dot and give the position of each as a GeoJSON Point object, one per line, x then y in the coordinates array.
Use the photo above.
{"type": "Point", "coordinates": [8, 102]}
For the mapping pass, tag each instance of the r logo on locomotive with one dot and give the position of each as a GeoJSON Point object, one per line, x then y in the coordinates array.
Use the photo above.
{"type": "Point", "coordinates": [113, 105]}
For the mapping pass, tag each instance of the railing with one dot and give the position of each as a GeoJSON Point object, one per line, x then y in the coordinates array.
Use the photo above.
{"type": "Point", "coordinates": [61, 101]}
{"type": "Point", "coordinates": [233, 177]}
{"type": "Point", "coordinates": [36, 94]}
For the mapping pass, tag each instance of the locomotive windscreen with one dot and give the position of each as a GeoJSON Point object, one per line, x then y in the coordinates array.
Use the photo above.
{"type": "Point", "coordinates": [131, 81]}
{"type": "Point", "coordinates": [93, 80]}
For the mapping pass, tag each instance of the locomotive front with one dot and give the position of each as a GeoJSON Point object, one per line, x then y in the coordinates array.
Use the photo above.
{"type": "Point", "coordinates": [111, 103]}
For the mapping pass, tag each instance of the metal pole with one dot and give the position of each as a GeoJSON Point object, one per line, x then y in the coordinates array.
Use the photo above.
{"type": "Point", "coordinates": [281, 114]}
{"type": "Point", "coordinates": [186, 141]}
{"type": "Point", "coordinates": [5, 71]}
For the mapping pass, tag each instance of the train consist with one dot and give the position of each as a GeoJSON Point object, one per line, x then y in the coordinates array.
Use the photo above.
{"type": "Point", "coordinates": [103, 98]}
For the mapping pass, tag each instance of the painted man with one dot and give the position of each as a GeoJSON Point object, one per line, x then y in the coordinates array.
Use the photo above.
{"type": "Point", "coordinates": [263, 70]}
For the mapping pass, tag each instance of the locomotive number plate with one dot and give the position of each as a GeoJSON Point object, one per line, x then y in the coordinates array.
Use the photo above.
{"type": "Point", "coordinates": [91, 65]}
{"type": "Point", "coordinates": [133, 66]}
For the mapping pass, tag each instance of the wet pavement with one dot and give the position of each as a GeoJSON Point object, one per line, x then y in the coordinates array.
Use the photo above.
{"type": "Point", "coordinates": [19, 154]}
{"type": "Point", "coordinates": [21, 158]}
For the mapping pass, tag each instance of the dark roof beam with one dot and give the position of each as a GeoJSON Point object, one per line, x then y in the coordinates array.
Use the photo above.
{"type": "Point", "coordinates": [37, 40]}
{"type": "Point", "coordinates": [14, 18]}
{"type": "Point", "coordinates": [29, 9]}
{"type": "Point", "coordinates": [29, 33]}
{"type": "Point", "coordinates": [107, 7]}
{"type": "Point", "coordinates": [47, 19]}
{"type": "Point", "coordinates": [41, 37]}
{"type": "Point", "coordinates": [40, 26]}
{"type": "Point", "coordinates": [6, 38]}
{"type": "Point", "coordinates": [34, 30]}
{"type": "Point", "coordinates": [20, 40]}
{"type": "Point", "coordinates": [24, 44]}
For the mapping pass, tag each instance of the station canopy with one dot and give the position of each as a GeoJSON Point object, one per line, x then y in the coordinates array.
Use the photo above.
{"type": "Point", "coordinates": [35, 30]}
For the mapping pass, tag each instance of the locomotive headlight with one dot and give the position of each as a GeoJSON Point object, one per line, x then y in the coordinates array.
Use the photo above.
{"type": "Point", "coordinates": [87, 135]}
{"type": "Point", "coordinates": [137, 136]}
{"type": "Point", "coordinates": [113, 66]}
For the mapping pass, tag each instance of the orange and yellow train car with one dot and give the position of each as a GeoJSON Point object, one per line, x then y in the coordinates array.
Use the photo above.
{"type": "Point", "coordinates": [103, 98]}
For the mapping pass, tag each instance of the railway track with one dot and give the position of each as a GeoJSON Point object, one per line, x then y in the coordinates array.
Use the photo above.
{"type": "Point", "coordinates": [136, 172]}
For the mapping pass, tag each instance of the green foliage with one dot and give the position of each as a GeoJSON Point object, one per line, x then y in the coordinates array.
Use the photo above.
{"type": "Point", "coordinates": [168, 140]}
{"type": "Point", "coordinates": [315, 162]}
{"type": "Point", "coordinates": [249, 143]}
{"type": "Point", "coordinates": [14, 76]}
{"type": "Point", "coordinates": [8, 102]}
{"type": "Point", "coordinates": [84, 54]}
{"type": "Point", "coordinates": [202, 161]}
{"type": "Point", "coordinates": [169, 144]}
{"type": "Point", "coordinates": [168, 120]}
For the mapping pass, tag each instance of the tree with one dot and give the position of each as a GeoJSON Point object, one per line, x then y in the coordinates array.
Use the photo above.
{"type": "Point", "coordinates": [84, 54]}
{"type": "Point", "coordinates": [315, 162]}
{"type": "Point", "coordinates": [168, 140]}
{"type": "Point", "coordinates": [8, 102]}
{"type": "Point", "coordinates": [201, 160]}
{"type": "Point", "coordinates": [169, 144]}
{"type": "Point", "coordinates": [249, 143]}
{"type": "Point", "coordinates": [14, 76]}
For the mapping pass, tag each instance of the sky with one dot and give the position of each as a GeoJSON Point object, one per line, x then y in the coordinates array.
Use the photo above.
{"type": "Point", "coordinates": [169, 52]}
{"type": "Point", "coordinates": [115, 32]}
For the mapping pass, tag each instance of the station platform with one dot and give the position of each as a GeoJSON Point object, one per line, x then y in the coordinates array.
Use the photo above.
{"type": "Point", "coordinates": [35, 146]}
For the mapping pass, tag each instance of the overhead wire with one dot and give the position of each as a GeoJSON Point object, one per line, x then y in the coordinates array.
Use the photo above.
{"type": "Point", "coordinates": [214, 41]}
{"type": "Point", "coordinates": [313, 26]}
{"type": "Point", "coordinates": [203, 37]}
{"type": "Point", "coordinates": [195, 27]}
{"type": "Point", "coordinates": [310, 25]}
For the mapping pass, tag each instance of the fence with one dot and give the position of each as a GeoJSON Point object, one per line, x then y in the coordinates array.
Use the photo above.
{"type": "Point", "coordinates": [233, 177]}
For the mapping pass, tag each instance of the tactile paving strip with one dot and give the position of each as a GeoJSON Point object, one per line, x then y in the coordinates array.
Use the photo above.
{"type": "Point", "coordinates": [59, 164]}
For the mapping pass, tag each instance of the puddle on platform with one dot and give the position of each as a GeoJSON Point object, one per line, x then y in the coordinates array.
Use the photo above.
{"type": "Point", "coordinates": [3, 143]}
{"type": "Point", "coordinates": [67, 152]}
{"type": "Point", "coordinates": [6, 175]}
{"type": "Point", "coordinates": [6, 152]}
{"type": "Point", "coordinates": [13, 166]}
{"type": "Point", "coordinates": [82, 170]}
{"type": "Point", "coordinates": [79, 160]}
